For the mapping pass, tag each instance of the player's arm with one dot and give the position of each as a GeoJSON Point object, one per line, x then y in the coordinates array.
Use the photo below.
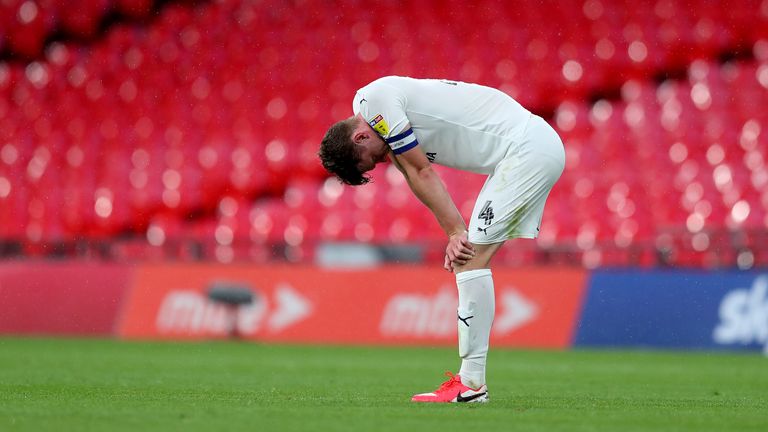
{"type": "Point", "coordinates": [429, 188]}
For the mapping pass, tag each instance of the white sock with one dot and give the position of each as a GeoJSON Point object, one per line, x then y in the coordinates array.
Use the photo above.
{"type": "Point", "coordinates": [477, 306]}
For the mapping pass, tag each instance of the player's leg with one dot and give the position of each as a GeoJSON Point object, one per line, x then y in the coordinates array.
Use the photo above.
{"type": "Point", "coordinates": [474, 318]}
{"type": "Point", "coordinates": [475, 313]}
{"type": "Point", "coordinates": [510, 205]}
{"type": "Point", "coordinates": [483, 255]}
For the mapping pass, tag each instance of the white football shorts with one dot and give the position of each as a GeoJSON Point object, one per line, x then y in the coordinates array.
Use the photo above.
{"type": "Point", "coordinates": [511, 202]}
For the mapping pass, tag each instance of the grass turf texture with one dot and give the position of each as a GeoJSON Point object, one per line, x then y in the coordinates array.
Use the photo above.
{"type": "Point", "coordinates": [72, 384]}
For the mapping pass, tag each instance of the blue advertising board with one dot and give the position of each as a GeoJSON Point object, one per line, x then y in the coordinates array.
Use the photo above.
{"type": "Point", "coordinates": [675, 309]}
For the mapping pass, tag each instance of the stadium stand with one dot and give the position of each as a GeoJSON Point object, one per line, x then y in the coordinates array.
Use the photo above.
{"type": "Point", "coordinates": [190, 131]}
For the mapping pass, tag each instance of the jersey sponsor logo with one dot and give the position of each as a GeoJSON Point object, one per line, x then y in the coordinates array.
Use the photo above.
{"type": "Point", "coordinates": [379, 125]}
{"type": "Point", "coordinates": [431, 156]}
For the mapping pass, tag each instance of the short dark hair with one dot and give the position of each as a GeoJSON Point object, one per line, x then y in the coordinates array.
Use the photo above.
{"type": "Point", "coordinates": [340, 155]}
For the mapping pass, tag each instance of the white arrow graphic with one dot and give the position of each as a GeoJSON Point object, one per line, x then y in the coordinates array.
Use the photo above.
{"type": "Point", "coordinates": [290, 307]}
{"type": "Point", "coordinates": [516, 311]}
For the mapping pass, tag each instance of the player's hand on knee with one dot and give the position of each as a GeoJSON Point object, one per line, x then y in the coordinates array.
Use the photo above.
{"type": "Point", "coordinates": [447, 264]}
{"type": "Point", "coordinates": [459, 250]}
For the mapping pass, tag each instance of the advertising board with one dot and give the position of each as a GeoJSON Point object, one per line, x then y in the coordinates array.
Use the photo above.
{"type": "Point", "coordinates": [387, 305]}
{"type": "Point", "coordinates": [61, 298]}
{"type": "Point", "coordinates": [676, 309]}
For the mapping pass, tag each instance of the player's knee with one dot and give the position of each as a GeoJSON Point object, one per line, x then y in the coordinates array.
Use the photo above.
{"type": "Point", "coordinates": [476, 263]}
{"type": "Point", "coordinates": [482, 259]}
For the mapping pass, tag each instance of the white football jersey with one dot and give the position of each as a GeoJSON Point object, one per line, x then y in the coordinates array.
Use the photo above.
{"type": "Point", "coordinates": [460, 125]}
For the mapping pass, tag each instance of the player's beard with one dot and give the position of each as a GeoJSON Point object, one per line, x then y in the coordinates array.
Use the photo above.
{"type": "Point", "coordinates": [384, 153]}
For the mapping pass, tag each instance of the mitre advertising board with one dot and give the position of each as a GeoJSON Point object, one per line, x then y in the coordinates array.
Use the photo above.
{"type": "Point", "coordinates": [393, 305]}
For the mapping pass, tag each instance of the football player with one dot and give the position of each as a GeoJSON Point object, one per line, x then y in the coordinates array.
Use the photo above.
{"type": "Point", "coordinates": [418, 122]}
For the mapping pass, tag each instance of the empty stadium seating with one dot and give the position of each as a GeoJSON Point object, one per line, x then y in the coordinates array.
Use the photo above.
{"type": "Point", "coordinates": [200, 126]}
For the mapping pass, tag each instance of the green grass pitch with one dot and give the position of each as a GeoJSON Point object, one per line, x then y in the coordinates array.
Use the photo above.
{"type": "Point", "coordinates": [106, 385]}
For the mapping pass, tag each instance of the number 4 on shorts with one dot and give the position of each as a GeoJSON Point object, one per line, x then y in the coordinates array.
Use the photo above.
{"type": "Point", "coordinates": [486, 213]}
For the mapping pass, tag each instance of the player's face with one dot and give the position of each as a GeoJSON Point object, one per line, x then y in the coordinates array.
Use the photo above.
{"type": "Point", "coordinates": [372, 152]}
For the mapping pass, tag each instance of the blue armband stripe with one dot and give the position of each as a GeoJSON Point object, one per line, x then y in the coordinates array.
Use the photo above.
{"type": "Point", "coordinates": [405, 147]}
{"type": "Point", "coordinates": [396, 138]}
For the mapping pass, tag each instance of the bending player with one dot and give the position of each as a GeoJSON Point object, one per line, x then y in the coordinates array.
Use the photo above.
{"type": "Point", "coordinates": [418, 122]}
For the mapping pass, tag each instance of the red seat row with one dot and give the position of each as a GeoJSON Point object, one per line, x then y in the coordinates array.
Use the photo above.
{"type": "Point", "coordinates": [663, 161]}
{"type": "Point", "coordinates": [154, 128]}
{"type": "Point", "coordinates": [25, 25]}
